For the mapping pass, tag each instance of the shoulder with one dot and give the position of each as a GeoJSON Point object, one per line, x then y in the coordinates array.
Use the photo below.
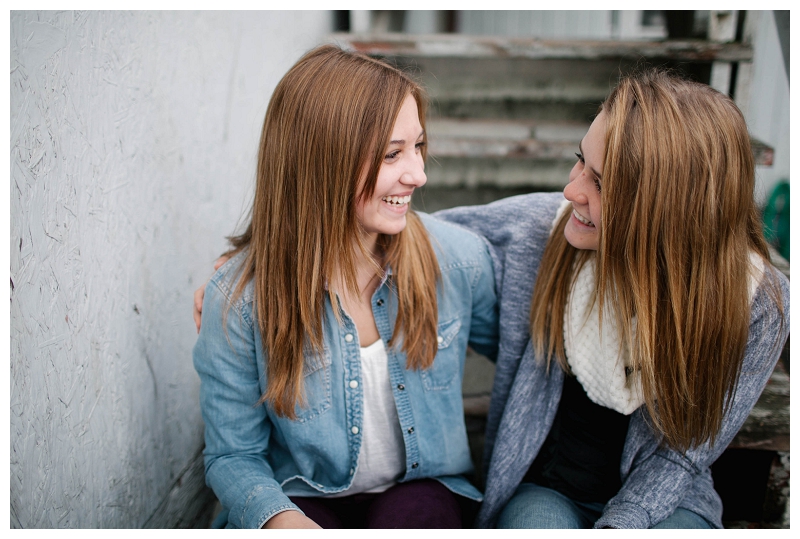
{"type": "Point", "coordinates": [769, 311]}
{"type": "Point", "coordinates": [534, 213]}
{"type": "Point", "coordinates": [510, 219]}
{"type": "Point", "coordinates": [222, 285]}
{"type": "Point", "coordinates": [454, 244]}
{"type": "Point", "coordinates": [770, 302]}
{"type": "Point", "coordinates": [540, 207]}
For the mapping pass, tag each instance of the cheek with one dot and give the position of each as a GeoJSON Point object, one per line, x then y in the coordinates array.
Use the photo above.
{"type": "Point", "coordinates": [361, 208]}
{"type": "Point", "coordinates": [597, 208]}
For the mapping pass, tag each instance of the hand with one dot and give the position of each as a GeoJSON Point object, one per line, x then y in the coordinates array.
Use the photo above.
{"type": "Point", "coordinates": [290, 520]}
{"type": "Point", "coordinates": [197, 312]}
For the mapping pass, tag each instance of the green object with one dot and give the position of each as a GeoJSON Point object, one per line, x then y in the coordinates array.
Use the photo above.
{"type": "Point", "coordinates": [776, 219]}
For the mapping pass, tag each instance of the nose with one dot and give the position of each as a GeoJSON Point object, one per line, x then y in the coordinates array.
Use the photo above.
{"type": "Point", "coordinates": [414, 174]}
{"type": "Point", "coordinates": [574, 191]}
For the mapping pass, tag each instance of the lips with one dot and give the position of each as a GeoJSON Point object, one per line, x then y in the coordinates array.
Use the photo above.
{"type": "Point", "coordinates": [581, 219]}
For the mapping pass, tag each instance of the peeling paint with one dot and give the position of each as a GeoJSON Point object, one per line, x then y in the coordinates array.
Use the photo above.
{"type": "Point", "coordinates": [132, 152]}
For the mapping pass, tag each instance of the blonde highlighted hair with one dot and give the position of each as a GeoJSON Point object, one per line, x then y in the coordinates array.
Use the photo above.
{"type": "Point", "coordinates": [327, 125]}
{"type": "Point", "coordinates": [678, 225]}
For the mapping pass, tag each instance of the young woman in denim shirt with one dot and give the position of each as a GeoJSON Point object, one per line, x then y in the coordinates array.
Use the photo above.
{"type": "Point", "coordinates": [332, 348]}
{"type": "Point", "coordinates": [613, 421]}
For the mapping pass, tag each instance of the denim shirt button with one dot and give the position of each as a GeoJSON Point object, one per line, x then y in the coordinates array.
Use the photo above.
{"type": "Point", "coordinates": [379, 302]}
{"type": "Point", "coordinates": [354, 430]}
{"type": "Point", "coordinates": [353, 384]}
{"type": "Point", "coordinates": [410, 430]}
{"type": "Point", "coordinates": [439, 339]}
{"type": "Point", "coordinates": [415, 465]}
{"type": "Point", "coordinates": [401, 387]}
{"type": "Point", "coordinates": [348, 337]}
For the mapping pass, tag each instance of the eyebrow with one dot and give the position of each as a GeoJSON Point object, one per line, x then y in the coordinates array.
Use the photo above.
{"type": "Point", "coordinates": [403, 141]}
{"type": "Point", "coordinates": [580, 147]}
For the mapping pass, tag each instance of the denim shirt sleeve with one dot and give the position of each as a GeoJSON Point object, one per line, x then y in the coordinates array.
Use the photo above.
{"type": "Point", "coordinates": [484, 331]}
{"type": "Point", "coordinates": [655, 487]}
{"type": "Point", "coordinates": [236, 430]}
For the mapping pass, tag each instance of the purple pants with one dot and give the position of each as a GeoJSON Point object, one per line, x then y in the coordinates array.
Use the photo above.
{"type": "Point", "coordinates": [417, 504]}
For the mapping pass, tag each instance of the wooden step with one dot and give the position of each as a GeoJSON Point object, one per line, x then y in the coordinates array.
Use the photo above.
{"type": "Point", "coordinates": [511, 154]}
{"type": "Point", "coordinates": [501, 153]}
{"type": "Point", "coordinates": [465, 138]}
{"type": "Point", "coordinates": [465, 46]}
{"type": "Point", "coordinates": [497, 77]}
{"type": "Point", "coordinates": [508, 112]}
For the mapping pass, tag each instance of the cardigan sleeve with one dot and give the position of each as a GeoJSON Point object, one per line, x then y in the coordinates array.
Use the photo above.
{"type": "Point", "coordinates": [509, 226]}
{"type": "Point", "coordinates": [655, 486]}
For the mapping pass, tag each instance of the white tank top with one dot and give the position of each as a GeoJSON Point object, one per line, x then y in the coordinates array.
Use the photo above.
{"type": "Point", "coordinates": [382, 458]}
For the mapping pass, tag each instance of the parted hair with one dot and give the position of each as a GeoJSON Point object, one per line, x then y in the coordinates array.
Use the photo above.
{"type": "Point", "coordinates": [678, 225]}
{"type": "Point", "coordinates": [322, 144]}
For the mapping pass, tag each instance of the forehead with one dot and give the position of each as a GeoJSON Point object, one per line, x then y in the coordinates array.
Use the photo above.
{"type": "Point", "coordinates": [594, 137]}
{"type": "Point", "coordinates": [408, 116]}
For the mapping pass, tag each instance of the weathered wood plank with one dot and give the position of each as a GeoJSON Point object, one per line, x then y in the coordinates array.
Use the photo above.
{"type": "Point", "coordinates": [501, 47]}
{"type": "Point", "coordinates": [767, 427]}
{"type": "Point", "coordinates": [524, 139]}
{"type": "Point", "coordinates": [776, 502]}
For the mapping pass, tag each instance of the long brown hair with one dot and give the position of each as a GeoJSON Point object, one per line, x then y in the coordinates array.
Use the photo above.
{"type": "Point", "coordinates": [328, 121]}
{"type": "Point", "coordinates": [678, 225]}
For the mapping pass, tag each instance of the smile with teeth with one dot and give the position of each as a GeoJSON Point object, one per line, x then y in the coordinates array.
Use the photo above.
{"type": "Point", "coordinates": [397, 201]}
{"type": "Point", "coordinates": [582, 219]}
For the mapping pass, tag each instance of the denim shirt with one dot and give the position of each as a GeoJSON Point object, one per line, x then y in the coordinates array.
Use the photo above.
{"type": "Point", "coordinates": [255, 459]}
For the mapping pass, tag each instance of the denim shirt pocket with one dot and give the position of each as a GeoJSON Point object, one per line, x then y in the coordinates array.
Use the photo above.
{"type": "Point", "coordinates": [447, 363]}
{"type": "Point", "coordinates": [316, 385]}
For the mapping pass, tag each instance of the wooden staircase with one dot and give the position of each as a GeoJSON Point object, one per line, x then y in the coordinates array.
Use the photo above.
{"type": "Point", "coordinates": [507, 114]}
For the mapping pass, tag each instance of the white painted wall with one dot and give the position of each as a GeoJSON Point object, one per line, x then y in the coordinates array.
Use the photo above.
{"type": "Point", "coordinates": [133, 143]}
{"type": "Point", "coordinates": [767, 114]}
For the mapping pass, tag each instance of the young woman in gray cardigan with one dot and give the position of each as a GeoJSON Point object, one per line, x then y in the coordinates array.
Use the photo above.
{"type": "Point", "coordinates": [614, 420]}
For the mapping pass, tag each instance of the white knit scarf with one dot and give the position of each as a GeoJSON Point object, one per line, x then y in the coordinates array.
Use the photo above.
{"type": "Point", "coordinates": [600, 362]}
{"type": "Point", "coordinates": [594, 352]}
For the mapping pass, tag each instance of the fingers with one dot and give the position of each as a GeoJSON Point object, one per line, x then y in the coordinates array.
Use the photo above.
{"type": "Point", "coordinates": [197, 308]}
{"type": "Point", "coordinates": [220, 261]}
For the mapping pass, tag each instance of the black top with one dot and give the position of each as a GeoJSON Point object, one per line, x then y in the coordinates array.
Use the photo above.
{"type": "Point", "coordinates": [580, 457]}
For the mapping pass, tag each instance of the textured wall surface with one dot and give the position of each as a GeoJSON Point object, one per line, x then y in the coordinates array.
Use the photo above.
{"type": "Point", "coordinates": [768, 111]}
{"type": "Point", "coordinates": [133, 142]}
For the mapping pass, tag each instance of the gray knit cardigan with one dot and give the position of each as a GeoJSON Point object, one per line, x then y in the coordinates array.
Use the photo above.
{"type": "Point", "coordinates": [655, 480]}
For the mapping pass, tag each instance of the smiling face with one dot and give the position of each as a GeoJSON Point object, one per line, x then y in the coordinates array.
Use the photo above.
{"type": "Point", "coordinates": [583, 190]}
{"type": "Point", "coordinates": [402, 171]}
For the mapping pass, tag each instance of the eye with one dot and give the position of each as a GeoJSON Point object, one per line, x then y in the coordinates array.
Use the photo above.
{"type": "Point", "coordinates": [596, 184]}
{"type": "Point", "coordinates": [392, 155]}
{"type": "Point", "coordinates": [580, 158]}
{"type": "Point", "coordinates": [419, 145]}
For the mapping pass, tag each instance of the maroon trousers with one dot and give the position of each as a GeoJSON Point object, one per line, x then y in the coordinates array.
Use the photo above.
{"type": "Point", "coordinates": [417, 504]}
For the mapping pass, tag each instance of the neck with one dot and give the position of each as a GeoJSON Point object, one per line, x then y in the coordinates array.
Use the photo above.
{"type": "Point", "coordinates": [366, 276]}
{"type": "Point", "coordinates": [370, 242]}
{"type": "Point", "coordinates": [367, 279]}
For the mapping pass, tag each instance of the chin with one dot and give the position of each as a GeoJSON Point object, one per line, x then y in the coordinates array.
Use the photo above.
{"type": "Point", "coordinates": [584, 242]}
{"type": "Point", "coordinates": [389, 229]}
{"type": "Point", "coordinates": [393, 231]}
